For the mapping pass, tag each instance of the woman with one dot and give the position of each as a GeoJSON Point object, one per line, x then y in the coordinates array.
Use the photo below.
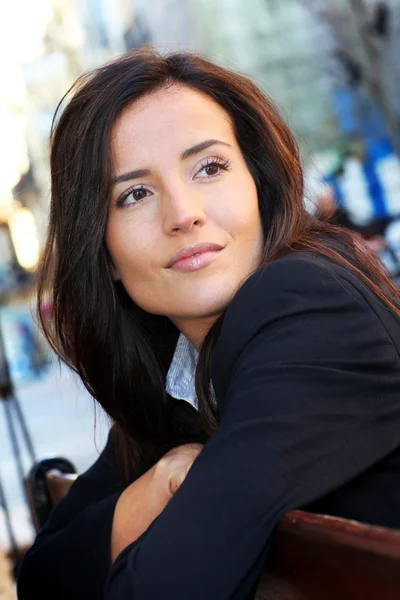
{"type": "Point", "coordinates": [246, 353]}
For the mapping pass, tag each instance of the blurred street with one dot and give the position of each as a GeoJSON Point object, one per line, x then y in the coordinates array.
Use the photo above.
{"type": "Point", "coordinates": [60, 416]}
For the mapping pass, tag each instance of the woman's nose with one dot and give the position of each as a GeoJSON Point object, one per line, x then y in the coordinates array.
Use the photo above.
{"type": "Point", "coordinates": [182, 211]}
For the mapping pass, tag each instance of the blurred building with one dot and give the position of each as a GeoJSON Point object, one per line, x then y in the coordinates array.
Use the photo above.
{"type": "Point", "coordinates": [39, 55]}
{"type": "Point", "coordinates": [109, 29]}
{"type": "Point", "coordinates": [44, 46]}
{"type": "Point", "coordinates": [172, 25]}
{"type": "Point", "coordinates": [276, 43]}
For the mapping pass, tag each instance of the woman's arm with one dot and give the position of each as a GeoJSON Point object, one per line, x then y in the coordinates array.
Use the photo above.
{"type": "Point", "coordinates": [307, 381]}
{"type": "Point", "coordinates": [146, 498]}
{"type": "Point", "coordinates": [70, 556]}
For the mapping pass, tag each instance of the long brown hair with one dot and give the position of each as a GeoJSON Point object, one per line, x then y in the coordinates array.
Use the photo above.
{"type": "Point", "coordinates": [121, 352]}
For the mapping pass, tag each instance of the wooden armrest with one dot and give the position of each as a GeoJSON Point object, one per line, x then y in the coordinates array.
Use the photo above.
{"type": "Point", "coordinates": [317, 557]}
{"type": "Point", "coordinates": [58, 484]}
{"type": "Point", "coordinates": [46, 484]}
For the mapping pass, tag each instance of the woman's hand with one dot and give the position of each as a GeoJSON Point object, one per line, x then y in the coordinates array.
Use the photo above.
{"type": "Point", "coordinates": [173, 467]}
{"type": "Point", "coordinates": [146, 498]}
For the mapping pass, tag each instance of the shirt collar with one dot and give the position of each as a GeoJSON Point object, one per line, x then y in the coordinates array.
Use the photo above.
{"type": "Point", "coordinates": [180, 381]}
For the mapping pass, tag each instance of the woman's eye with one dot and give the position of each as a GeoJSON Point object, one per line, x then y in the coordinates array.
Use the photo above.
{"type": "Point", "coordinates": [138, 194]}
{"type": "Point", "coordinates": [133, 196]}
{"type": "Point", "coordinates": [212, 168]}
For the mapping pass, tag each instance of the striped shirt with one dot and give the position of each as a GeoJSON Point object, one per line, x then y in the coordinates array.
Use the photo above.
{"type": "Point", "coordinates": [180, 383]}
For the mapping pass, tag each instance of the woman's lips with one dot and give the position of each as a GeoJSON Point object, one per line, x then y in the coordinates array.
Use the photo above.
{"type": "Point", "coordinates": [197, 256]}
{"type": "Point", "coordinates": [196, 261]}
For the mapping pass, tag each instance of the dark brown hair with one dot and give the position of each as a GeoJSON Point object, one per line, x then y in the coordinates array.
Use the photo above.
{"type": "Point", "coordinates": [121, 352]}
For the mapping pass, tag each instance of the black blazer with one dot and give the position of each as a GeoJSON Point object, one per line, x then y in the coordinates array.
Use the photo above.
{"type": "Point", "coordinates": [307, 378]}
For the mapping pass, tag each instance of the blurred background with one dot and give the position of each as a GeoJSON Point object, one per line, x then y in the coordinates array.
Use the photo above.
{"type": "Point", "coordinates": [331, 68]}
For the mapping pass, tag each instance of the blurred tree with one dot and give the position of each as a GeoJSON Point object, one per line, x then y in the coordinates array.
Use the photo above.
{"type": "Point", "coordinates": [366, 79]}
{"type": "Point", "coordinates": [373, 33]}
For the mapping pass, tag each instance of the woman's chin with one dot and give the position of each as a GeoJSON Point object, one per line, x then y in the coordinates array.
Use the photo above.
{"type": "Point", "coordinates": [203, 305]}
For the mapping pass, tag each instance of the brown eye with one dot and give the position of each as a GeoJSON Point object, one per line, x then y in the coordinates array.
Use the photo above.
{"type": "Point", "coordinates": [139, 194]}
{"type": "Point", "coordinates": [133, 196]}
{"type": "Point", "coordinates": [212, 169]}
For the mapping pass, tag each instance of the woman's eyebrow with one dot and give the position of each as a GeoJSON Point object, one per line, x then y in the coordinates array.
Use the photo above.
{"type": "Point", "coordinates": [185, 154]}
{"type": "Point", "coordinates": [200, 147]}
{"type": "Point", "coordinates": [130, 175]}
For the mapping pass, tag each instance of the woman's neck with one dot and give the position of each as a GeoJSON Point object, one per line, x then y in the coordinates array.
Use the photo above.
{"type": "Point", "coordinates": [195, 330]}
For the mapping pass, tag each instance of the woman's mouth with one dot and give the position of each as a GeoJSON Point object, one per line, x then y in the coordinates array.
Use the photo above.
{"type": "Point", "coordinates": [192, 258]}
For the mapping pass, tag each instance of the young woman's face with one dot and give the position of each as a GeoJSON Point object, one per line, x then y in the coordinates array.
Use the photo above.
{"type": "Point", "coordinates": [183, 229]}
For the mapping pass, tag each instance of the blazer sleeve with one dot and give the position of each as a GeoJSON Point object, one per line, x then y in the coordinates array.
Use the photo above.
{"type": "Point", "coordinates": [307, 379]}
{"type": "Point", "coordinates": [70, 556]}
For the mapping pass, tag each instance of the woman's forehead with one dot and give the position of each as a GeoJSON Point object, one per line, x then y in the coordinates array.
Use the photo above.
{"type": "Point", "coordinates": [169, 120]}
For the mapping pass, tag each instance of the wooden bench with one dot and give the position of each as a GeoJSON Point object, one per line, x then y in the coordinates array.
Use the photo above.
{"type": "Point", "coordinates": [46, 484]}
{"type": "Point", "coordinates": [316, 557]}
{"type": "Point", "coordinates": [313, 557]}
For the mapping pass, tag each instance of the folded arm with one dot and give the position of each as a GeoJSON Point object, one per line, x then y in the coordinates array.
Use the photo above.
{"type": "Point", "coordinates": [71, 555]}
